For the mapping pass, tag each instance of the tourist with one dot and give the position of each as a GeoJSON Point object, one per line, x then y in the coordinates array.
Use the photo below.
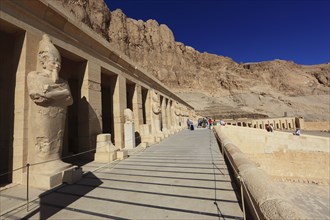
{"type": "Point", "coordinates": [210, 123]}
{"type": "Point", "coordinates": [204, 123]}
{"type": "Point", "coordinates": [297, 132]}
{"type": "Point", "coordinates": [222, 122]}
{"type": "Point", "coordinates": [191, 125]}
{"type": "Point", "coordinates": [199, 124]}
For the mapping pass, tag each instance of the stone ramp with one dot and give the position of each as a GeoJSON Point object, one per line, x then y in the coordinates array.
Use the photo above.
{"type": "Point", "coordinates": [184, 177]}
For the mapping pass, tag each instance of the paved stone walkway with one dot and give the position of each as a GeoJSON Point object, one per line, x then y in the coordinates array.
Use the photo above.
{"type": "Point", "coordinates": [184, 177]}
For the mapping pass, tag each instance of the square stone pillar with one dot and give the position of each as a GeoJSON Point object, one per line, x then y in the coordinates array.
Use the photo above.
{"type": "Point", "coordinates": [155, 114]}
{"type": "Point", "coordinates": [91, 103]}
{"type": "Point", "coordinates": [146, 135]}
{"type": "Point", "coordinates": [137, 108]}
{"type": "Point", "coordinates": [164, 114]}
{"type": "Point", "coordinates": [148, 109]}
{"type": "Point", "coordinates": [119, 105]}
{"type": "Point", "coordinates": [174, 119]}
{"type": "Point", "coordinates": [27, 63]}
{"type": "Point", "coordinates": [169, 116]}
{"type": "Point", "coordinates": [164, 117]}
{"type": "Point", "coordinates": [129, 135]}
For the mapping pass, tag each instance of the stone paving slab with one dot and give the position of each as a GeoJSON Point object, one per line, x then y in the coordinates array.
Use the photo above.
{"type": "Point", "coordinates": [184, 177]}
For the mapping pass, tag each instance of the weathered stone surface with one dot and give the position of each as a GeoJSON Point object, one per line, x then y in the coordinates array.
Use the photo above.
{"type": "Point", "coordinates": [94, 13]}
{"type": "Point", "coordinates": [105, 150]}
{"type": "Point", "coordinates": [50, 96]}
{"type": "Point", "coordinates": [129, 135]}
{"type": "Point", "coordinates": [206, 80]}
{"type": "Point", "coordinates": [268, 199]}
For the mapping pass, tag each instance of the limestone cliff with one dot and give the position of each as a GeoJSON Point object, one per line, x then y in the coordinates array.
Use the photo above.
{"type": "Point", "coordinates": [214, 84]}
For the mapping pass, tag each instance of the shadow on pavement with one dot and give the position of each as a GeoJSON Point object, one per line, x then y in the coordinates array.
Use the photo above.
{"type": "Point", "coordinates": [53, 201]}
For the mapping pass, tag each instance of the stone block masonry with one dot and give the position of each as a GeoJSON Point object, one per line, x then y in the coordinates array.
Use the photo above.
{"type": "Point", "coordinates": [103, 83]}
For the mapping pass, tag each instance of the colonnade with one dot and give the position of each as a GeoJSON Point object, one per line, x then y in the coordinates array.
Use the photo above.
{"type": "Point", "coordinates": [283, 123]}
{"type": "Point", "coordinates": [103, 83]}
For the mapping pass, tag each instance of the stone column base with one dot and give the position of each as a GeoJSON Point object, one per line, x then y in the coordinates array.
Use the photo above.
{"type": "Point", "coordinates": [148, 139]}
{"type": "Point", "coordinates": [105, 157]}
{"type": "Point", "coordinates": [49, 181]}
{"type": "Point", "coordinates": [144, 145]}
{"type": "Point", "coordinates": [122, 154]}
{"type": "Point", "coordinates": [106, 152]}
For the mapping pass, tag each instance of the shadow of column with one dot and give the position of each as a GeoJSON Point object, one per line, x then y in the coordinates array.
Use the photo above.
{"type": "Point", "coordinates": [53, 201]}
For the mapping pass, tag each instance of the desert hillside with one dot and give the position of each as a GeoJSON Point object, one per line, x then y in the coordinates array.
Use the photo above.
{"type": "Point", "coordinates": [213, 84]}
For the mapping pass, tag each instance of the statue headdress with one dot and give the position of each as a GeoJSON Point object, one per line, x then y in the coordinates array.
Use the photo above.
{"type": "Point", "coordinates": [47, 49]}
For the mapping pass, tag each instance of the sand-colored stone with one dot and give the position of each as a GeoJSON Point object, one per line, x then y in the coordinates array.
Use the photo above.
{"type": "Point", "coordinates": [98, 76]}
{"type": "Point", "coordinates": [317, 126]}
{"type": "Point", "coordinates": [122, 154]}
{"type": "Point", "coordinates": [51, 96]}
{"type": "Point", "coordinates": [236, 89]}
{"type": "Point", "coordinates": [106, 152]}
{"type": "Point", "coordinates": [282, 155]}
{"type": "Point", "coordinates": [267, 199]}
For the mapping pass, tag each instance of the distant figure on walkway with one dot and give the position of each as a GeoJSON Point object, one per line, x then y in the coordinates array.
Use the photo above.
{"type": "Point", "coordinates": [199, 123]}
{"type": "Point", "coordinates": [191, 125]}
{"type": "Point", "coordinates": [297, 132]}
{"type": "Point", "coordinates": [204, 124]}
{"type": "Point", "coordinates": [222, 122]}
{"type": "Point", "coordinates": [210, 123]}
{"type": "Point", "coordinates": [269, 128]}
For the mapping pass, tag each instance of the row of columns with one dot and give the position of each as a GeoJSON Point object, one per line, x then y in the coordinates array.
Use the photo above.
{"type": "Point", "coordinates": [88, 115]}
{"type": "Point", "coordinates": [162, 114]}
{"type": "Point", "coordinates": [103, 85]}
{"type": "Point", "coordinates": [288, 123]}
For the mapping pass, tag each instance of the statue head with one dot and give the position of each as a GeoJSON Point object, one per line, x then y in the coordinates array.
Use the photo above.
{"type": "Point", "coordinates": [129, 115]}
{"type": "Point", "coordinates": [154, 96]}
{"type": "Point", "coordinates": [49, 57]}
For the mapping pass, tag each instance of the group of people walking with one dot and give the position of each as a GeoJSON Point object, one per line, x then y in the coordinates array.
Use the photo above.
{"type": "Point", "coordinates": [204, 123]}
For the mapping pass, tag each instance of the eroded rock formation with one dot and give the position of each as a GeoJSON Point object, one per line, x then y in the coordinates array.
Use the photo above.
{"type": "Point", "coordinates": [211, 83]}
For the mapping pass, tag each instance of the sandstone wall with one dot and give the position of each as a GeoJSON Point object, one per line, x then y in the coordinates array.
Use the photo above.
{"type": "Point", "coordinates": [255, 141]}
{"type": "Point", "coordinates": [285, 157]}
{"type": "Point", "coordinates": [317, 126]}
{"type": "Point", "coordinates": [267, 201]}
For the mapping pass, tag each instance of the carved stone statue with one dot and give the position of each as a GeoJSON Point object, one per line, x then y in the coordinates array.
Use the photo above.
{"type": "Point", "coordinates": [51, 96]}
{"type": "Point", "coordinates": [156, 110]}
{"type": "Point", "coordinates": [129, 115]}
{"type": "Point", "coordinates": [177, 109]}
{"type": "Point", "coordinates": [129, 129]}
{"type": "Point", "coordinates": [176, 116]}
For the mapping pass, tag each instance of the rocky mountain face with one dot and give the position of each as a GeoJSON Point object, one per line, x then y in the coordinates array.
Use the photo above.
{"type": "Point", "coordinates": [213, 84]}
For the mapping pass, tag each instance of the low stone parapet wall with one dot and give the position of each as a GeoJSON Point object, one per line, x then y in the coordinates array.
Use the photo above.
{"type": "Point", "coordinates": [252, 140]}
{"type": "Point", "coordinates": [262, 196]}
{"type": "Point", "coordinates": [317, 126]}
{"type": "Point", "coordinates": [284, 156]}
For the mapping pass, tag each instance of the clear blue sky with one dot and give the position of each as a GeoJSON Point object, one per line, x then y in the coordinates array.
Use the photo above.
{"type": "Point", "coordinates": [244, 30]}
